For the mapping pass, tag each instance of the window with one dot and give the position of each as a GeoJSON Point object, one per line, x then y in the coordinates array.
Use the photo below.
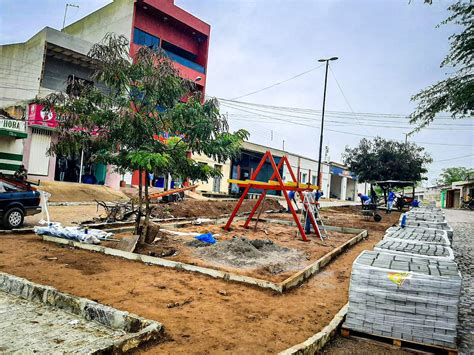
{"type": "Point", "coordinates": [182, 56]}
{"type": "Point", "coordinates": [303, 179]}
{"type": "Point", "coordinates": [314, 180]}
{"type": "Point", "coordinates": [145, 39]}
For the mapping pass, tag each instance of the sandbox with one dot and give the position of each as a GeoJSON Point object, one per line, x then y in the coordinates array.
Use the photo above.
{"type": "Point", "coordinates": [270, 256]}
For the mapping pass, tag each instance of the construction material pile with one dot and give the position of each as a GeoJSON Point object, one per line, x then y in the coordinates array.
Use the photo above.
{"type": "Point", "coordinates": [426, 219]}
{"type": "Point", "coordinates": [408, 288]}
{"type": "Point", "coordinates": [414, 248]}
{"type": "Point", "coordinates": [418, 235]}
{"type": "Point", "coordinates": [79, 234]}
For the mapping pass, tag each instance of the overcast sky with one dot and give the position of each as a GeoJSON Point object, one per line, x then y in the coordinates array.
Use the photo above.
{"type": "Point", "coordinates": [388, 50]}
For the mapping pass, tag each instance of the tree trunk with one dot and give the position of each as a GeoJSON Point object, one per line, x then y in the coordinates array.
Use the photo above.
{"type": "Point", "coordinates": [144, 235]}
{"type": "Point", "coordinates": [140, 202]}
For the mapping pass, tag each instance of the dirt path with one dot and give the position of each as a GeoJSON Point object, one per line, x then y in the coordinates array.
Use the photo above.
{"type": "Point", "coordinates": [220, 317]}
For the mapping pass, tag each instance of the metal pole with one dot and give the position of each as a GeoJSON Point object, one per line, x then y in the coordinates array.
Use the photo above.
{"type": "Point", "coordinates": [64, 20]}
{"type": "Point", "coordinates": [322, 125]}
{"type": "Point", "coordinates": [65, 13]}
{"type": "Point", "coordinates": [80, 167]}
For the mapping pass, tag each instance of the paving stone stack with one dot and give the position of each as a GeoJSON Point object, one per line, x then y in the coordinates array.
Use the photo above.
{"type": "Point", "coordinates": [426, 221]}
{"type": "Point", "coordinates": [418, 235]}
{"type": "Point", "coordinates": [408, 288]}
{"type": "Point", "coordinates": [404, 297]}
{"type": "Point", "coordinates": [416, 249]}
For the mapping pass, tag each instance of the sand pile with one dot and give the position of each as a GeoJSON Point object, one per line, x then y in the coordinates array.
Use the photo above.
{"type": "Point", "coordinates": [245, 253]}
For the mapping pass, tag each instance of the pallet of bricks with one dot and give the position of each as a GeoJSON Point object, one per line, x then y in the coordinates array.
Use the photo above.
{"type": "Point", "coordinates": [407, 289]}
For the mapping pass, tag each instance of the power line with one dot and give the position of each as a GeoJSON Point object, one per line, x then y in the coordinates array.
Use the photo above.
{"type": "Point", "coordinates": [313, 111]}
{"type": "Point", "coordinates": [278, 83]}
{"type": "Point", "coordinates": [352, 133]}
{"type": "Point", "coordinates": [456, 158]}
{"type": "Point", "coordinates": [343, 95]}
{"type": "Point", "coordinates": [335, 122]}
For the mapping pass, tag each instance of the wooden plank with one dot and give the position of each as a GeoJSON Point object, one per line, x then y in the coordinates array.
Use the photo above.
{"type": "Point", "coordinates": [128, 243]}
{"type": "Point", "coordinates": [399, 343]}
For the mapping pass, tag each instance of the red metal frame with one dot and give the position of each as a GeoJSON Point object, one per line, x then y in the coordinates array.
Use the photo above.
{"type": "Point", "coordinates": [280, 187]}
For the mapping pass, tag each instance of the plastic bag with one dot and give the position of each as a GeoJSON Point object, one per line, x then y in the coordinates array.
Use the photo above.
{"type": "Point", "coordinates": [206, 238]}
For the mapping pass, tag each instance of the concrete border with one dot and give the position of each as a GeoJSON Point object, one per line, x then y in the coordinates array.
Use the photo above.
{"type": "Point", "coordinates": [137, 329]}
{"type": "Point", "coordinates": [291, 282]}
{"type": "Point", "coordinates": [320, 339]}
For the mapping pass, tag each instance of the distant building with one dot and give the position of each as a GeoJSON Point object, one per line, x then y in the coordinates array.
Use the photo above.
{"type": "Point", "coordinates": [52, 59]}
{"type": "Point", "coordinates": [337, 181]}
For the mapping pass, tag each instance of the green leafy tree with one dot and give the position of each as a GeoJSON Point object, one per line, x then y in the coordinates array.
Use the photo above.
{"type": "Point", "coordinates": [381, 159]}
{"type": "Point", "coordinates": [455, 94]}
{"type": "Point", "coordinates": [137, 102]}
{"type": "Point", "coordinates": [450, 175]}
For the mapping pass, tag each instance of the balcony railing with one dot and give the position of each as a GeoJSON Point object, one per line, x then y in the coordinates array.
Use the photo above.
{"type": "Point", "coordinates": [186, 62]}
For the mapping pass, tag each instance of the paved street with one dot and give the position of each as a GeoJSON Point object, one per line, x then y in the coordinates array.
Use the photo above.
{"type": "Point", "coordinates": [27, 327]}
{"type": "Point", "coordinates": [462, 222]}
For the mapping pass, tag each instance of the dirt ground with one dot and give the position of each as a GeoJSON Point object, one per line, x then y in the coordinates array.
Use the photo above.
{"type": "Point", "coordinates": [216, 316]}
{"type": "Point", "coordinates": [275, 270]}
{"type": "Point", "coordinates": [194, 208]}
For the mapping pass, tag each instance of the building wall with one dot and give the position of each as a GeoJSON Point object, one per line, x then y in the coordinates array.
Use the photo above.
{"type": "Point", "coordinates": [20, 70]}
{"type": "Point", "coordinates": [116, 17]}
{"type": "Point", "coordinates": [207, 186]}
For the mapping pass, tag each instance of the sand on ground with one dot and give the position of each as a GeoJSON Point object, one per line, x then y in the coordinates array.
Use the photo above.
{"type": "Point", "coordinates": [220, 316]}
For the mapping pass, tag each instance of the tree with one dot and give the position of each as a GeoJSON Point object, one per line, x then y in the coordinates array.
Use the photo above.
{"type": "Point", "coordinates": [382, 159]}
{"type": "Point", "coordinates": [455, 94]}
{"type": "Point", "coordinates": [450, 175]}
{"type": "Point", "coordinates": [141, 116]}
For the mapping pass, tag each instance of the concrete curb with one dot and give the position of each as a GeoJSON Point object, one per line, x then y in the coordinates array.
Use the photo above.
{"type": "Point", "coordinates": [137, 329]}
{"type": "Point", "coordinates": [320, 339]}
{"type": "Point", "coordinates": [292, 282]}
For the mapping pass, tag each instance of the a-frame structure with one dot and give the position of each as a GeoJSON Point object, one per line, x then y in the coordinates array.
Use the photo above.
{"type": "Point", "coordinates": [276, 184]}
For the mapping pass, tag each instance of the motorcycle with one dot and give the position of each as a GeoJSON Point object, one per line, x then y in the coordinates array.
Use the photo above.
{"type": "Point", "coordinates": [469, 205]}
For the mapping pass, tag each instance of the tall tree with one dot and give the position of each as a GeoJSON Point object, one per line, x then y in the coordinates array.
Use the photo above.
{"type": "Point", "coordinates": [455, 94]}
{"type": "Point", "coordinates": [381, 159]}
{"type": "Point", "coordinates": [142, 116]}
{"type": "Point", "coordinates": [450, 175]}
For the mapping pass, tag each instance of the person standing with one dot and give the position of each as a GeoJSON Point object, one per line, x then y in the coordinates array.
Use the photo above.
{"type": "Point", "coordinates": [390, 200]}
{"type": "Point", "coordinates": [291, 195]}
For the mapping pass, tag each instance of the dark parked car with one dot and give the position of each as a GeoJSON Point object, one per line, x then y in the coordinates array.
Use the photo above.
{"type": "Point", "coordinates": [17, 200]}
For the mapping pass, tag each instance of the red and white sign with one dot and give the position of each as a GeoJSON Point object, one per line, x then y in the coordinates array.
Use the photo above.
{"type": "Point", "coordinates": [39, 117]}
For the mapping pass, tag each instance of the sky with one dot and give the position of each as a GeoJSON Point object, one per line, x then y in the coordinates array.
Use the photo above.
{"type": "Point", "coordinates": [388, 51]}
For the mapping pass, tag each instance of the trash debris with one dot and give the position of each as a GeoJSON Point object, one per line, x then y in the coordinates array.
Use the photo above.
{"type": "Point", "coordinates": [201, 221]}
{"type": "Point", "coordinates": [179, 304]}
{"type": "Point", "coordinates": [88, 236]}
{"type": "Point", "coordinates": [206, 238]}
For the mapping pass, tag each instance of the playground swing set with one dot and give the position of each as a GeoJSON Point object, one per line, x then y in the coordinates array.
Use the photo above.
{"type": "Point", "coordinates": [275, 183]}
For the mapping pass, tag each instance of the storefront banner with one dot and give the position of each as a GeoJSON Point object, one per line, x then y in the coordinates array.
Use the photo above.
{"type": "Point", "coordinates": [37, 116]}
{"type": "Point", "coordinates": [13, 128]}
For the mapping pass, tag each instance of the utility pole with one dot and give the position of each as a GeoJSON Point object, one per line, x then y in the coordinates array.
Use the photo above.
{"type": "Point", "coordinates": [322, 117]}
{"type": "Point", "coordinates": [406, 137]}
{"type": "Point", "coordinates": [65, 13]}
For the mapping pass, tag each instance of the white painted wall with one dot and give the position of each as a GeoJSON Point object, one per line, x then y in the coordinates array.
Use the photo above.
{"type": "Point", "coordinates": [20, 70]}
{"type": "Point", "coordinates": [116, 17]}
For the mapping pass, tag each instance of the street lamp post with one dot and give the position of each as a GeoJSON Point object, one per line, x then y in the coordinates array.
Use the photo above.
{"type": "Point", "coordinates": [322, 117]}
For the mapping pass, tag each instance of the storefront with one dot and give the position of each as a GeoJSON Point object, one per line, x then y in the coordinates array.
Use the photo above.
{"type": "Point", "coordinates": [45, 166]}
{"type": "Point", "coordinates": [12, 134]}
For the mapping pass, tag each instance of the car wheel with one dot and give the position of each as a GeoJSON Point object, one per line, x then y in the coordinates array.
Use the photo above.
{"type": "Point", "coordinates": [13, 218]}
